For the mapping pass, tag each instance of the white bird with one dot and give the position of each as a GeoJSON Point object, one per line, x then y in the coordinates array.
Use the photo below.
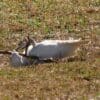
{"type": "Point", "coordinates": [54, 49]}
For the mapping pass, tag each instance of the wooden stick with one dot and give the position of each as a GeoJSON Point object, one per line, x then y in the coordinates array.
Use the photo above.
{"type": "Point", "coordinates": [5, 52]}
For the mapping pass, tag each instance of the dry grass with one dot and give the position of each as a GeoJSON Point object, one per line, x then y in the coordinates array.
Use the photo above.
{"type": "Point", "coordinates": [56, 19]}
{"type": "Point", "coordinates": [75, 80]}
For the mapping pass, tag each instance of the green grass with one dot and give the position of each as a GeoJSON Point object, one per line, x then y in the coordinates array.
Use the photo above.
{"type": "Point", "coordinates": [58, 19]}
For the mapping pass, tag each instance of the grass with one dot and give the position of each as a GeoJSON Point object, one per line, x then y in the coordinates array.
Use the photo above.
{"type": "Point", "coordinates": [50, 81]}
{"type": "Point", "coordinates": [57, 19]}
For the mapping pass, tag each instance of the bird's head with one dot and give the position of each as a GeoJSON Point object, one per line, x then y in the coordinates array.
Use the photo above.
{"type": "Point", "coordinates": [27, 41]}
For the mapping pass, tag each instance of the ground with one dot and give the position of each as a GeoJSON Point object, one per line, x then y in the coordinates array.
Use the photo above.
{"type": "Point", "coordinates": [51, 19]}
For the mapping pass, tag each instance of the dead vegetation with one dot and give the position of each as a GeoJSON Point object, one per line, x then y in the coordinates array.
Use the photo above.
{"type": "Point", "coordinates": [51, 19]}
